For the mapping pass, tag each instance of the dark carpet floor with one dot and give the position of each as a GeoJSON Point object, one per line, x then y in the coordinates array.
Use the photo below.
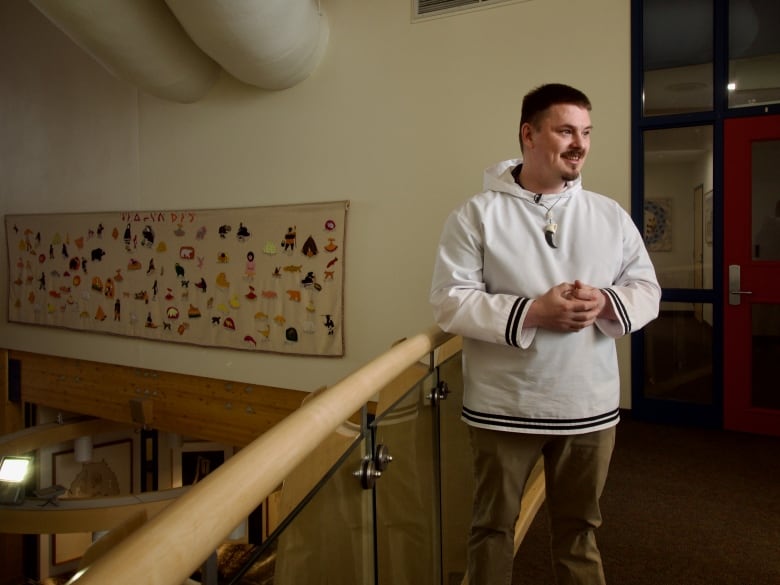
{"type": "Point", "coordinates": [682, 507]}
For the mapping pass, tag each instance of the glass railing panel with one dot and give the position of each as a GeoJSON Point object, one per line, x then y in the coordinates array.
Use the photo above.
{"type": "Point", "coordinates": [328, 537]}
{"type": "Point", "coordinates": [407, 493]}
{"type": "Point", "coordinates": [384, 527]}
{"type": "Point", "coordinates": [457, 478]}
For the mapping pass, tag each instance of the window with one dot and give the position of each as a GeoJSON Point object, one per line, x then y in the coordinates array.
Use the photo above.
{"type": "Point", "coordinates": [754, 53]}
{"type": "Point", "coordinates": [677, 55]}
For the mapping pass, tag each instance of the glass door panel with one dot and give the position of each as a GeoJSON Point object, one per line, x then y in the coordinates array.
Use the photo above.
{"type": "Point", "coordinates": [677, 381]}
{"type": "Point", "coordinates": [678, 205]}
{"type": "Point", "coordinates": [765, 202]}
{"type": "Point", "coordinates": [678, 354]}
{"type": "Point", "coordinates": [764, 388]}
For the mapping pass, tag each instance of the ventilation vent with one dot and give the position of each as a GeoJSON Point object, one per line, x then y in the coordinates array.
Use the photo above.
{"type": "Point", "coordinates": [429, 8]}
{"type": "Point", "coordinates": [425, 7]}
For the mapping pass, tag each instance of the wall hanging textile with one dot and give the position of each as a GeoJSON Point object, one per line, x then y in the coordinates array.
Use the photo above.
{"type": "Point", "coordinates": [260, 279]}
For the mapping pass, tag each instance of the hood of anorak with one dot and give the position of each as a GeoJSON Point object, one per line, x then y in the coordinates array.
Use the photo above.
{"type": "Point", "coordinates": [499, 178]}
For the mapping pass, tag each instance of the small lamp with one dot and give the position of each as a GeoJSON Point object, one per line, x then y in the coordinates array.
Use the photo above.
{"type": "Point", "coordinates": [13, 472]}
{"type": "Point", "coordinates": [82, 449]}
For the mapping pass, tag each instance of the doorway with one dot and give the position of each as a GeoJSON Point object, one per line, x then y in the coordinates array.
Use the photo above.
{"type": "Point", "coordinates": [705, 136]}
{"type": "Point", "coordinates": [751, 237]}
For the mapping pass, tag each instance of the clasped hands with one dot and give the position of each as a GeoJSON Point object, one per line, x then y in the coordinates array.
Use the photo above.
{"type": "Point", "coordinates": [569, 307]}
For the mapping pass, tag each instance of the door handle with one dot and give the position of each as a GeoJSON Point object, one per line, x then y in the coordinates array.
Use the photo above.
{"type": "Point", "coordinates": [735, 284]}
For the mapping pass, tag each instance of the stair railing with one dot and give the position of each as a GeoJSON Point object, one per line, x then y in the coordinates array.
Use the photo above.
{"type": "Point", "coordinates": [172, 545]}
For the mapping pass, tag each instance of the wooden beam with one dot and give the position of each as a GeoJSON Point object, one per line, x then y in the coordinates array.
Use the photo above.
{"type": "Point", "coordinates": [224, 411]}
{"type": "Point", "coordinates": [33, 438]}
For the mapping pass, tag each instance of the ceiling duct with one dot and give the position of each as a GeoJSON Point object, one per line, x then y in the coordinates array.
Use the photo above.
{"type": "Point", "coordinates": [139, 41]}
{"type": "Point", "coordinates": [272, 44]}
{"type": "Point", "coordinates": [175, 51]}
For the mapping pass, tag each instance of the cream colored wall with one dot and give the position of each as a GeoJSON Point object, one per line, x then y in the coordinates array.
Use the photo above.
{"type": "Point", "coordinates": [399, 118]}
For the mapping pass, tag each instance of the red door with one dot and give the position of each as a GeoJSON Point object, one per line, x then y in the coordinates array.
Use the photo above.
{"type": "Point", "coordinates": [751, 238]}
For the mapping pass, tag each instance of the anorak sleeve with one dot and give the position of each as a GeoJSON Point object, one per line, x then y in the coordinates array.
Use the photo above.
{"type": "Point", "coordinates": [635, 294]}
{"type": "Point", "coordinates": [461, 304]}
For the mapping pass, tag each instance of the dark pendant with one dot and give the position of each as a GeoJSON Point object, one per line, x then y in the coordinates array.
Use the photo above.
{"type": "Point", "coordinates": [549, 234]}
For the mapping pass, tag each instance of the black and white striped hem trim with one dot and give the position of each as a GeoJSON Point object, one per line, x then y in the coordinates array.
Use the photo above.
{"type": "Point", "coordinates": [500, 421]}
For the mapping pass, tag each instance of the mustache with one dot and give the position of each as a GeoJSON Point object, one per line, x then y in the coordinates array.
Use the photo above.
{"type": "Point", "coordinates": [574, 152]}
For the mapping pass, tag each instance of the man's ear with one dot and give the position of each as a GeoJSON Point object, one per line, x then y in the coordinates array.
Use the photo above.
{"type": "Point", "coordinates": [526, 134]}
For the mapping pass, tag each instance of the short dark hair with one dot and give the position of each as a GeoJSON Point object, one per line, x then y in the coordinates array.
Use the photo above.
{"type": "Point", "coordinates": [538, 100]}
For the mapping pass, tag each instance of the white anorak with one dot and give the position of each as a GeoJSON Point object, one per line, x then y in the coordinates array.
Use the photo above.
{"type": "Point", "coordinates": [493, 261]}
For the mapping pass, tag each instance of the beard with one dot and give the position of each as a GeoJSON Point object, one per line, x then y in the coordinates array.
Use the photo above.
{"type": "Point", "coordinates": [572, 175]}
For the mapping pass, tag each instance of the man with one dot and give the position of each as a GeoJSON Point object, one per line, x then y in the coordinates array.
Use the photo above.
{"type": "Point", "coordinates": [540, 276]}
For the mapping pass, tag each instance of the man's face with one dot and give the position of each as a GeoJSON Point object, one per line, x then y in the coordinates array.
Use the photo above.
{"type": "Point", "coordinates": [557, 148]}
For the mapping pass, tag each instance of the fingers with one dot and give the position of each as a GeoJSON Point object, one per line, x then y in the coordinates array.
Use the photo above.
{"type": "Point", "coordinates": [586, 303]}
{"type": "Point", "coordinates": [565, 289]}
{"type": "Point", "coordinates": [567, 307]}
{"type": "Point", "coordinates": [584, 292]}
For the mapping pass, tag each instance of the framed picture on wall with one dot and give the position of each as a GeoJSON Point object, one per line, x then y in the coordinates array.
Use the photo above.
{"type": "Point", "coordinates": [658, 225]}
{"type": "Point", "coordinates": [194, 460]}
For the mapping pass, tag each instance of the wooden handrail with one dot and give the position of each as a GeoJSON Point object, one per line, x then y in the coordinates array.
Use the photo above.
{"type": "Point", "coordinates": [171, 546]}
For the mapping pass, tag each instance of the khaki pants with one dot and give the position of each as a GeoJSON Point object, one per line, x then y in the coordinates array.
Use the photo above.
{"type": "Point", "coordinates": [575, 473]}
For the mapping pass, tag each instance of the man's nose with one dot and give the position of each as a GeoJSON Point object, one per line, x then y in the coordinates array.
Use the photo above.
{"type": "Point", "coordinates": [578, 139]}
